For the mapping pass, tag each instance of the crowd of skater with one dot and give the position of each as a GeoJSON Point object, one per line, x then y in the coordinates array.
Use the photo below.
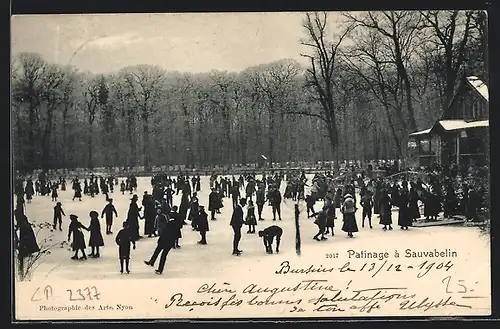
{"type": "Point", "coordinates": [247, 195]}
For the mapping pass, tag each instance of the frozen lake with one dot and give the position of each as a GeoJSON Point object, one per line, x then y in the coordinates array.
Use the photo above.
{"type": "Point", "coordinates": [215, 259]}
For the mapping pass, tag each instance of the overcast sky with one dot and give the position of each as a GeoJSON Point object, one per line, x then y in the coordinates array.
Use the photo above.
{"type": "Point", "coordinates": [196, 42]}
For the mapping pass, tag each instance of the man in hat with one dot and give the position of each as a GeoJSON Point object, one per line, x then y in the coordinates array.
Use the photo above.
{"type": "Point", "coordinates": [109, 210]}
{"type": "Point", "coordinates": [202, 225]}
{"type": "Point", "coordinates": [237, 222]}
{"type": "Point", "coordinates": [213, 199]}
{"type": "Point", "coordinates": [133, 218]}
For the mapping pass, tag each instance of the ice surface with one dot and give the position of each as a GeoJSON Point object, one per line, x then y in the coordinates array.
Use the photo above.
{"type": "Point", "coordinates": [215, 259]}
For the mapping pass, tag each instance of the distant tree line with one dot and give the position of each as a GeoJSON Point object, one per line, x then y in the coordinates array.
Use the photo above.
{"type": "Point", "coordinates": [379, 77]}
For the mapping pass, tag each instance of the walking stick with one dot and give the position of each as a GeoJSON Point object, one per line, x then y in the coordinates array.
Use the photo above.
{"type": "Point", "coordinates": [297, 230]}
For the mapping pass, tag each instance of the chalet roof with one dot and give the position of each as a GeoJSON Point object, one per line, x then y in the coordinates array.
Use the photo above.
{"type": "Point", "coordinates": [451, 125]}
{"type": "Point", "coordinates": [479, 86]}
{"type": "Point", "coordinates": [421, 132]}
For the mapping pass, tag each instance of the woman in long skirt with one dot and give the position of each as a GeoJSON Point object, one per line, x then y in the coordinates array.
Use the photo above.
{"type": "Point", "coordinates": [78, 244]}
{"type": "Point", "coordinates": [349, 212]}
{"type": "Point", "coordinates": [404, 215]}
{"type": "Point", "coordinates": [96, 239]}
{"type": "Point", "coordinates": [385, 210]}
{"type": "Point", "coordinates": [413, 203]}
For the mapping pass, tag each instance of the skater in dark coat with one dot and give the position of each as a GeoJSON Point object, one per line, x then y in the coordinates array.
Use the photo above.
{"type": "Point", "coordinates": [385, 210]}
{"type": "Point", "coordinates": [404, 215]}
{"type": "Point", "coordinates": [413, 202]}
{"type": "Point", "coordinates": [376, 198]}
{"type": "Point", "coordinates": [260, 200]}
{"type": "Point", "coordinates": [133, 217]}
{"type": "Point", "coordinates": [29, 191]}
{"type": "Point", "coordinates": [321, 223]}
{"type": "Point", "coordinates": [202, 224]}
{"type": "Point", "coordinates": [58, 213]}
{"type": "Point", "coordinates": [174, 215]}
{"type": "Point", "coordinates": [235, 194]}
{"type": "Point", "coordinates": [338, 198]}
{"type": "Point", "coordinates": [26, 241]}
{"type": "Point", "coordinates": [165, 244]}
{"type": "Point", "coordinates": [198, 183]}
{"type": "Point", "coordinates": [122, 187]}
{"type": "Point", "coordinates": [109, 210]}
{"type": "Point", "coordinates": [78, 244]}
{"type": "Point", "coordinates": [54, 192]}
{"type": "Point", "coordinates": [451, 201]}
{"type": "Point", "coordinates": [124, 240]}
{"type": "Point", "coordinates": [213, 199]}
{"type": "Point", "coordinates": [268, 235]}
{"type": "Point", "coordinates": [310, 201]}
{"type": "Point", "coordinates": [96, 239]}
{"type": "Point", "coordinates": [78, 191]}
{"type": "Point", "coordinates": [251, 221]}
{"type": "Point", "coordinates": [194, 212]}
{"type": "Point", "coordinates": [349, 212]}
{"type": "Point", "coordinates": [149, 215]}
{"type": "Point", "coordinates": [330, 215]}
{"type": "Point", "coordinates": [236, 223]}
{"type": "Point", "coordinates": [184, 206]}
{"type": "Point", "coordinates": [367, 205]}
{"type": "Point", "coordinates": [275, 200]}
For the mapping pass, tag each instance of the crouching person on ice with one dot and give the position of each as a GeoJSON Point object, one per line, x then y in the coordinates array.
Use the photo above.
{"type": "Point", "coordinates": [123, 240]}
{"type": "Point", "coordinates": [268, 235]}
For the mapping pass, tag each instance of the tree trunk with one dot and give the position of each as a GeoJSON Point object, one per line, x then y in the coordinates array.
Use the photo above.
{"type": "Point", "coordinates": [271, 138]}
{"type": "Point", "coordinates": [145, 145]}
{"type": "Point", "coordinates": [89, 144]}
{"type": "Point", "coordinates": [64, 138]}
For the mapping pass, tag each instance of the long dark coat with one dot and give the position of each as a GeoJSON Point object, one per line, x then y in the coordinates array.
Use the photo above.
{"type": "Point", "coordinates": [95, 239]}
{"type": "Point", "coordinates": [202, 222]}
{"type": "Point", "coordinates": [149, 216]}
{"type": "Point", "coordinates": [413, 204]}
{"type": "Point", "coordinates": [133, 220]}
{"type": "Point", "coordinates": [250, 219]}
{"type": "Point", "coordinates": [123, 240]}
{"type": "Point", "coordinates": [385, 209]}
{"type": "Point", "coordinates": [213, 200]}
{"type": "Point", "coordinates": [78, 238]}
{"type": "Point", "coordinates": [26, 243]}
{"type": "Point", "coordinates": [404, 214]}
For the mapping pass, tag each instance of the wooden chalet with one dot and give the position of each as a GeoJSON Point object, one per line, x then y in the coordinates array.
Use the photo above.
{"type": "Point", "coordinates": [461, 136]}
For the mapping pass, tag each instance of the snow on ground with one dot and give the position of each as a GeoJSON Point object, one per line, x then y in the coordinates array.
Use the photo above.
{"type": "Point", "coordinates": [215, 259]}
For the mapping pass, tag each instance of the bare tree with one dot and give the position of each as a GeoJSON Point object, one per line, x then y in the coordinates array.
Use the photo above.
{"type": "Point", "coordinates": [145, 83]}
{"type": "Point", "coordinates": [398, 31]}
{"type": "Point", "coordinates": [275, 81]}
{"type": "Point", "coordinates": [450, 31]}
{"type": "Point", "coordinates": [91, 99]}
{"type": "Point", "coordinates": [320, 74]}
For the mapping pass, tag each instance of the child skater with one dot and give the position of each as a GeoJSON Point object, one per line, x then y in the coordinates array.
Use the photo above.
{"type": "Point", "coordinates": [54, 192]}
{"type": "Point", "coordinates": [96, 239]}
{"type": "Point", "coordinates": [310, 201]}
{"type": "Point", "coordinates": [122, 187]}
{"type": "Point", "coordinates": [78, 239]}
{"type": "Point", "coordinates": [251, 221]}
{"type": "Point", "coordinates": [123, 240]}
{"type": "Point", "coordinates": [58, 213]}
